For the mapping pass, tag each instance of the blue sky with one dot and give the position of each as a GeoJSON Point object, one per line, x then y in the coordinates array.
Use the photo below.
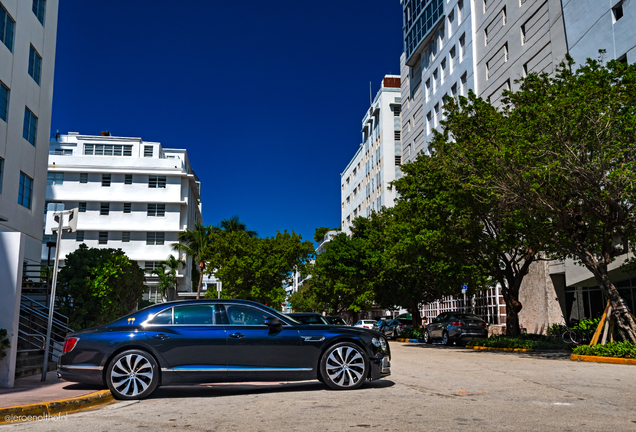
{"type": "Point", "coordinates": [267, 96]}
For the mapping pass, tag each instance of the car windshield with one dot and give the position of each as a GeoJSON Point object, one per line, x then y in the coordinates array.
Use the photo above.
{"type": "Point", "coordinates": [369, 322]}
{"type": "Point", "coordinates": [405, 321]}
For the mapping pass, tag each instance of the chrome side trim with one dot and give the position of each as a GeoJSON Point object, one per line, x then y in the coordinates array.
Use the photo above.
{"type": "Point", "coordinates": [313, 338]}
{"type": "Point", "coordinates": [232, 369]}
{"type": "Point", "coordinates": [83, 367]}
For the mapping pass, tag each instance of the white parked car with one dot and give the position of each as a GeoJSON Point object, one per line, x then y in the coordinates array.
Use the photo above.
{"type": "Point", "coordinates": [367, 324]}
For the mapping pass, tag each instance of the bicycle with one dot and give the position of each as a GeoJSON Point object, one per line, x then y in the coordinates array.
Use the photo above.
{"type": "Point", "coordinates": [572, 336]}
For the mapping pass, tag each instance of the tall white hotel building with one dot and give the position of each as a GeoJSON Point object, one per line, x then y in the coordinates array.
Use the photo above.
{"type": "Point", "coordinates": [28, 30]}
{"type": "Point", "coordinates": [130, 194]}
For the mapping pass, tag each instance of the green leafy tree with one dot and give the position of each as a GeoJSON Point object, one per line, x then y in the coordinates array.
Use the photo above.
{"type": "Point", "coordinates": [304, 300]}
{"type": "Point", "coordinates": [341, 277]}
{"type": "Point", "coordinates": [197, 244]}
{"type": "Point", "coordinates": [166, 271]}
{"type": "Point", "coordinates": [97, 286]}
{"type": "Point", "coordinates": [255, 268]}
{"type": "Point", "coordinates": [564, 153]}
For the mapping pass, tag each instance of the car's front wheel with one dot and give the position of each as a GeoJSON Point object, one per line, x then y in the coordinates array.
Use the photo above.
{"type": "Point", "coordinates": [132, 374]}
{"type": "Point", "coordinates": [427, 337]}
{"type": "Point", "coordinates": [344, 366]}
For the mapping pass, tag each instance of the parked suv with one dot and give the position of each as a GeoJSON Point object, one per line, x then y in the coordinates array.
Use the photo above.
{"type": "Point", "coordinates": [450, 327]}
{"type": "Point", "coordinates": [395, 327]}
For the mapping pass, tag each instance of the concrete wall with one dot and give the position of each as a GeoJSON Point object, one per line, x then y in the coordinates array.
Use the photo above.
{"type": "Point", "coordinates": [11, 257]}
{"type": "Point", "coordinates": [591, 25]}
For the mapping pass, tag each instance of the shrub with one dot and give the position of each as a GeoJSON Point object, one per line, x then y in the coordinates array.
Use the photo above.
{"type": "Point", "coordinates": [622, 349]}
{"type": "Point", "coordinates": [4, 343]}
{"type": "Point", "coordinates": [523, 341]}
{"type": "Point", "coordinates": [412, 333]}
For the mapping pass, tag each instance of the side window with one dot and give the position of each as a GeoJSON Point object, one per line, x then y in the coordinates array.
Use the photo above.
{"type": "Point", "coordinates": [245, 315]}
{"type": "Point", "coordinates": [163, 318]}
{"type": "Point", "coordinates": [194, 315]}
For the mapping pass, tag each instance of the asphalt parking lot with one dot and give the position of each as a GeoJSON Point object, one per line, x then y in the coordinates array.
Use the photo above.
{"type": "Point", "coordinates": [432, 387]}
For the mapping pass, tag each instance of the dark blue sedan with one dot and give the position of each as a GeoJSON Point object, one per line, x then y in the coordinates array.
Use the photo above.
{"type": "Point", "coordinates": [203, 341]}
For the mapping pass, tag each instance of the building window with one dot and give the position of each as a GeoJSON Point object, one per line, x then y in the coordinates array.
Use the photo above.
{"type": "Point", "coordinates": [35, 65]}
{"type": "Point", "coordinates": [157, 182]}
{"type": "Point", "coordinates": [79, 236]}
{"type": "Point", "coordinates": [39, 9]}
{"type": "Point", "coordinates": [81, 207]}
{"type": "Point", "coordinates": [462, 46]}
{"type": "Point", "coordinates": [158, 210]}
{"type": "Point", "coordinates": [464, 80]}
{"type": "Point", "coordinates": [103, 237]}
{"type": "Point", "coordinates": [30, 132]}
{"type": "Point", "coordinates": [397, 135]}
{"type": "Point", "coordinates": [128, 179]}
{"type": "Point", "coordinates": [617, 11]}
{"type": "Point", "coordinates": [107, 150]}
{"type": "Point", "coordinates": [61, 152]}
{"type": "Point", "coordinates": [83, 177]}
{"type": "Point", "coordinates": [127, 207]}
{"type": "Point", "coordinates": [155, 238]}
{"type": "Point", "coordinates": [1, 173]}
{"type": "Point", "coordinates": [104, 209]}
{"type": "Point", "coordinates": [106, 180]}
{"type": "Point", "coordinates": [54, 178]}
{"type": "Point", "coordinates": [398, 160]}
{"type": "Point", "coordinates": [6, 28]}
{"type": "Point", "coordinates": [25, 190]}
{"type": "Point", "coordinates": [396, 111]}
{"type": "Point", "coordinates": [149, 266]}
{"type": "Point", "coordinates": [125, 237]}
{"type": "Point", "coordinates": [4, 100]}
{"type": "Point", "coordinates": [148, 151]}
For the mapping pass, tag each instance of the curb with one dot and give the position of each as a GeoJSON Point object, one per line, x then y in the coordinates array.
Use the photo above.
{"type": "Point", "coordinates": [615, 360]}
{"type": "Point", "coordinates": [502, 349]}
{"type": "Point", "coordinates": [409, 340]}
{"type": "Point", "coordinates": [58, 407]}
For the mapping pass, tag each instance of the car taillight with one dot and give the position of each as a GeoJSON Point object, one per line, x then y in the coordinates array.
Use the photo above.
{"type": "Point", "coordinates": [401, 325]}
{"type": "Point", "coordinates": [484, 324]}
{"type": "Point", "coordinates": [69, 344]}
{"type": "Point", "coordinates": [457, 323]}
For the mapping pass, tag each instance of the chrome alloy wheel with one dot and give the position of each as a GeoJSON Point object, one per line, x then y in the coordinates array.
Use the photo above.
{"type": "Point", "coordinates": [345, 366]}
{"type": "Point", "coordinates": [131, 375]}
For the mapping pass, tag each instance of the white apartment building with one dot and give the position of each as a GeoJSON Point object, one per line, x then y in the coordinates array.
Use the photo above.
{"type": "Point", "coordinates": [28, 31]}
{"type": "Point", "coordinates": [437, 63]}
{"type": "Point", "coordinates": [364, 184]}
{"type": "Point", "coordinates": [130, 194]}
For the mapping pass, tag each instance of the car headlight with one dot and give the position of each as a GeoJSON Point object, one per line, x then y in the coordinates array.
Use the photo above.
{"type": "Point", "coordinates": [383, 343]}
{"type": "Point", "coordinates": [375, 342]}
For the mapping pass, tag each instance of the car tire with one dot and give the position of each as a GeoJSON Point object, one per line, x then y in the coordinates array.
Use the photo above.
{"type": "Point", "coordinates": [427, 337]}
{"type": "Point", "coordinates": [344, 366]}
{"type": "Point", "coordinates": [132, 374]}
{"type": "Point", "coordinates": [445, 339]}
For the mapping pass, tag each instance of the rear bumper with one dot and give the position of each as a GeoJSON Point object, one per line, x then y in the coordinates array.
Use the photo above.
{"type": "Point", "coordinates": [81, 374]}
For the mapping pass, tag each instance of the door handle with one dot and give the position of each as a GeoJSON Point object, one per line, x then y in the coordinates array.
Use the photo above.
{"type": "Point", "coordinates": [237, 335]}
{"type": "Point", "coordinates": [161, 336]}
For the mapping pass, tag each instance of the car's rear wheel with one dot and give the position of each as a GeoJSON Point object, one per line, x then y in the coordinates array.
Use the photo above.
{"type": "Point", "coordinates": [427, 337]}
{"type": "Point", "coordinates": [132, 374]}
{"type": "Point", "coordinates": [344, 366]}
{"type": "Point", "coordinates": [446, 339]}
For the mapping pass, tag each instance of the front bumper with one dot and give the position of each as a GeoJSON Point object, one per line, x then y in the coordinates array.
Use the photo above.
{"type": "Point", "coordinates": [380, 367]}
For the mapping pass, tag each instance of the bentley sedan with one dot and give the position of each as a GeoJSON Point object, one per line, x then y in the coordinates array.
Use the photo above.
{"type": "Point", "coordinates": [218, 340]}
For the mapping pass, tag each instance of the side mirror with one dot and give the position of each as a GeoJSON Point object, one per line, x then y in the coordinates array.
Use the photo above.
{"type": "Point", "coordinates": [273, 322]}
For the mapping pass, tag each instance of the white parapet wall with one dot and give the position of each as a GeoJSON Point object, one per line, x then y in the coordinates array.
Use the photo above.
{"type": "Point", "coordinates": [11, 257]}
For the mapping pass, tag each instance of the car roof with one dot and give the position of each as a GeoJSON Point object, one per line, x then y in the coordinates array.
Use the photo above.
{"type": "Point", "coordinates": [303, 314]}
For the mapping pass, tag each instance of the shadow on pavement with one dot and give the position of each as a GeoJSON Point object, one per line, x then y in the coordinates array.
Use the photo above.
{"type": "Point", "coordinates": [538, 354]}
{"type": "Point", "coordinates": [237, 389]}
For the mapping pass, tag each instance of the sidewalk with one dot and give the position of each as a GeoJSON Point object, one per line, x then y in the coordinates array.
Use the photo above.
{"type": "Point", "coordinates": [31, 390]}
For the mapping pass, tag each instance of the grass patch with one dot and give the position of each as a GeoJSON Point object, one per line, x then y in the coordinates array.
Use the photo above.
{"type": "Point", "coordinates": [524, 341]}
{"type": "Point", "coordinates": [622, 349]}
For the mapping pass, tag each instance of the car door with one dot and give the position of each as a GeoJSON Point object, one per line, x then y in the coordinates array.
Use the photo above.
{"type": "Point", "coordinates": [436, 331]}
{"type": "Point", "coordinates": [192, 341]}
{"type": "Point", "coordinates": [256, 351]}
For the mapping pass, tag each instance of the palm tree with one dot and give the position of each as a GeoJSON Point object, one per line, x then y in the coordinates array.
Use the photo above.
{"type": "Point", "coordinates": [233, 224]}
{"type": "Point", "coordinates": [166, 280]}
{"type": "Point", "coordinates": [197, 244]}
{"type": "Point", "coordinates": [172, 263]}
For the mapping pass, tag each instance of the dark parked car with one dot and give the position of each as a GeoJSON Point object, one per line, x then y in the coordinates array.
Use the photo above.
{"type": "Point", "coordinates": [335, 320]}
{"type": "Point", "coordinates": [217, 340]}
{"type": "Point", "coordinates": [453, 327]}
{"type": "Point", "coordinates": [394, 327]}
{"type": "Point", "coordinates": [309, 318]}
